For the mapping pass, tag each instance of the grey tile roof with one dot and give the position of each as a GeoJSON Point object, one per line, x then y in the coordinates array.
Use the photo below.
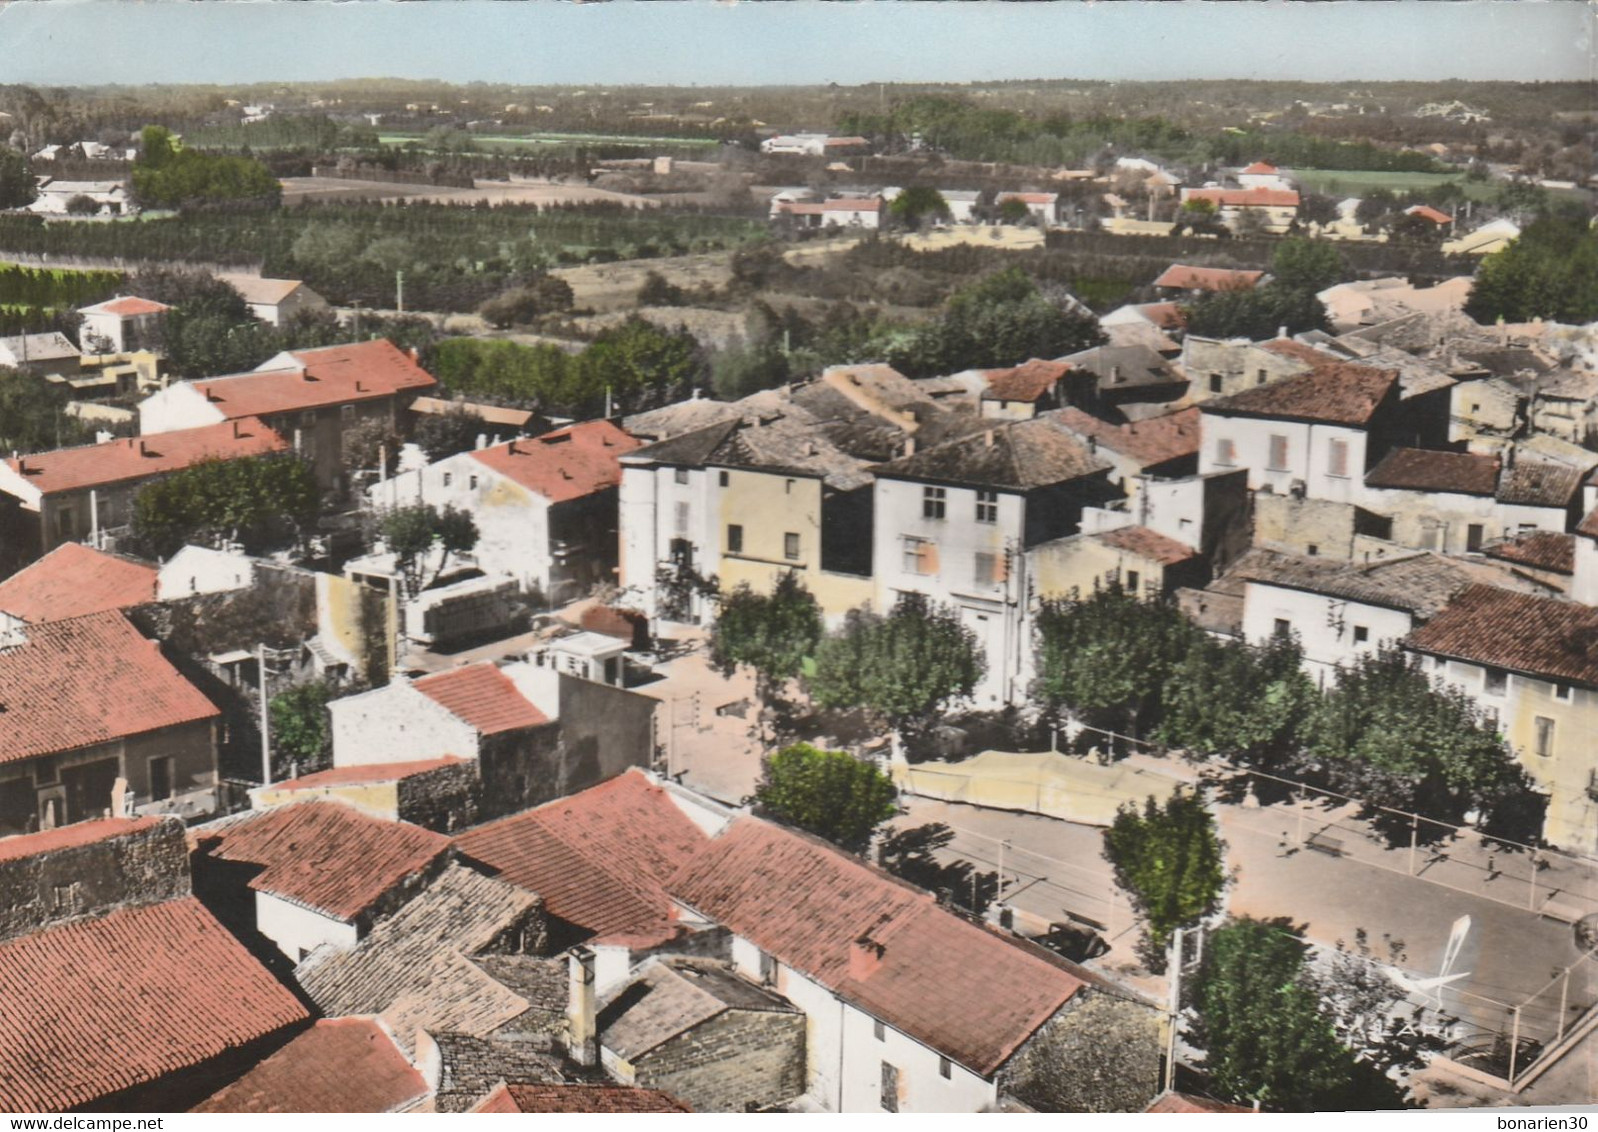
{"type": "Point", "coordinates": [1019, 456]}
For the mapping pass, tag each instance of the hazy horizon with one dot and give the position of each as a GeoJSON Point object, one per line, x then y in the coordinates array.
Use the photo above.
{"type": "Point", "coordinates": [797, 43]}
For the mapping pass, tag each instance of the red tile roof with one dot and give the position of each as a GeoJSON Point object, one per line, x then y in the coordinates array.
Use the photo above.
{"type": "Point", "coordinates": [1186, 1102]}
{"type": "Point", "coordinates": [365, 774]}
{"type": "Point", "coordinates": [89, 680]}
{"type": "Point", "coordinates": [1028, 198]}
{"type": "Point", "coordinates": [127, 306]}
{"type": "Point", "coordinates": [1427, 212]}
{"type": "Point", "coordinates": [1025, 382]}
{"type": "Point", "coordinates": [1185, 278]}
{"type": "Point", "coordinates": [1167, 316]}
{"type": "Point", "coordinates": [309, 379]}
{"type": "Point", "coordinates": [326, 857]}
{"type": "Point", "coordinates": [74, 579]}
{"type": "Point", "coordinates": [482, 696]}
{"type": "Point", "coordinates": [1542, 550]}
{"type": "Point", "coordinates": [577, 1098]}
{"type": "Point", "coordinates": [1333, 394]}
{"type": "Point", "coordinates": [565, 464]}
{"type": "Point", "coordinates": [101, 1005]}
{"type": "Point", "coordinates": [1419, 469]}
{"type": "Point", "coordinates": [1149, 544]}
{"type": "Point", "coordinates": [338, 1065]}
{"type": "Point", "coordinates": [1264, 168]}
{"type": "Point", "coordinates": [1537, 484]}
{"type": "Point", "coordinates": [1540, 636]}
{"type": "Point", "coordinates": [965, 991]}
{"type": "Point", "coordinates": [70, 836]}
{"type": "Point", "coordinates": [1244, 198]}
{"type": "Point", "coordinates": [139, 457]}
{"type": "Point", "coordinates": [600, 859]}
{"type": "Point", "coordinates": [1151, 442]}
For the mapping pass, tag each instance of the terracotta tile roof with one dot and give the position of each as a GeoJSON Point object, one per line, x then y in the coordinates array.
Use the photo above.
{"type": "Point", "coordinates": [258, 289]}
{"type": "Point", "coordinates": [139, 457]}
{"type": "Point", "coordinates": [415, 961]}
{"type": "Point", "coordinates": [1543, 550]}
{"type": "Point", "coordinates": [89, 680]}
{"type": "Point", "coordinates": [368, 773]}
{"type": "Point", "coordinates": [1021, 456]}
{"type": "Point", "coordinates": [963, 990]}
{"type": "Point", "coordinates": [600, 859]}
{"type": "Point", "coordinates": [338, 1065]}
{"type": "Point", "coordinates": [1151, 442]}
{"type": "Point", "coordinates": [101, 1005]}
{"type": "Point", "coordinates": [1167, 316]}
{"type": "Point", "coordinates": [1540, 636]}
{"type": "Point", "coordinates": [1149, 544]}
{"type": "Point", "coordinates": [1025, 382]}
{"type": "Point", "coordinates": [492, 414]}
{"type": "Point", "coordinates": [1186, 278]}
{"type": "Point", "coordinates": [1419, 469]}
{"type": "Point", "coordinates": [1263, 168]}
{"type": "Point", "coordinates": [1340, 393]}
{"type": "Point", "coordinates": [1421, 583]}
{"type": "Point", "coordinates": [1244, 198]}
{"type": "Point", "coordinates": [1028, 198]}
{"type": "Point", "coordinates": [669, 997]}
{"type": "Point", "coordinates": [309, 379]}
{"type": "Point", "coordinates": [74, 579]}
{"type": "Point", "coordinates": [327, 857]}
{"type": "Point", "coordinates": [1427, 212]}
{"type": "Point", "coordinates": [70, 836]}
{"type": "Point", "coordinates": [1186, 1102]}
{"type": "Point", "coordinates": [578, 1098]}
{"type": "Point", "coordinates": [1537, 484]}
{"type": "Point", "coordinates": [482, 696]}
{"type": "Point", "coordinates": [565, 464]}
{"type": "Point", "coordinates": [127, 306]}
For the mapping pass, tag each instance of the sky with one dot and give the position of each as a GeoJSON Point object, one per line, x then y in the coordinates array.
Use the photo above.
{"type": "Point", "coordinates": [715, 42]}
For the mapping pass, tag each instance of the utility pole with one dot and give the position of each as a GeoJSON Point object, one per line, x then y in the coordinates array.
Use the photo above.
{"type": "Point", "coordinates": [399, 291]}
{"type": "Point", "coordinates": [1174, 963]}
{"type": "Point", "coordinates": [266, 719]}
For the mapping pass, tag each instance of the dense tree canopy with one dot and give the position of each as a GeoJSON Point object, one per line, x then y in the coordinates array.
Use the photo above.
{"type": "Point", "coordinates": [1170, 861]}
{"type": "Point", "coordinates": [33, 415]}
{"type": "Point", "coordinates": [167, 177]}
{"type": "Point", "coordinates": [259, 501]}
{"type": "Point", "coordinates": [302, 733]}
{"type": "Point", "coordinates": [16, 180]}
{"type": "Point", "coordinates": [772, 633]}
{"type": "Point", "coordinates": [422, 537]}
{"type": "Point", "coordinates": [1259, 313]}
{"type": "Point", "coordinates": [1550, 272]}
{"type": "Point", "coordinates": [831, 794]}
{"type": "Point", "coordinates": [918, 204]}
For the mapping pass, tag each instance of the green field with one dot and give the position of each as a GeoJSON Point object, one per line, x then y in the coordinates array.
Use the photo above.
{"type": "Point", "coordinates": [1352, 183]}
{"type": "Point", "coordinates": [540, 140]}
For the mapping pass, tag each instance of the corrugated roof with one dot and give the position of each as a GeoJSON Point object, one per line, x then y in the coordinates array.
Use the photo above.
{"type": "Point", "coordinates": [1541, 636]}
{"type": "Point", "coordinates": [89, 680]}
{"type": "Point", "coordinates": [338, 1065]}
{"type": "Point", "coordinates": [139, 457]}
{"type": "Point", "coordinates": [1340, 393]}
{"type": "Point", "coordinates": [327, 857]}
{"type": "Point", "coordinates": [600, 859]}
{"type": "Point", "coordinates": [568, 463]}
{"type": "Point", "coordinates": [482, 696]}
{"type": "Point", "coordinates": [1421, 583]}
{"type": "Point", "coordinates": [74, 579]}
{"type": "Point", "coordinates": [101, 1005]}
{"type": "Point", "coordinates": [310, 379]}
{"type": "Point", "coordinates": [965, 991]}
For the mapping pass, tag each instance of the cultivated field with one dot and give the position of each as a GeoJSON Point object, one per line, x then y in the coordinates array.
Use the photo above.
{"type": "Point", "coordinates": [299, 189]}
{"type": "Point", "coordinates": [605, 287]}
{"type": "Point", "coordinates": [1352, 183]}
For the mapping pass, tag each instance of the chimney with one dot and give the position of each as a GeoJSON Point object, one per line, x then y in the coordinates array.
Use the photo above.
{"type": "Point", "coordinates": [238, 433]}
{"type": "Point", "coordinates": [511, 449]}
{"type": "Point", "coordinates": [305, 374]}
{"type": "Point", "coordinates": [582, 1041]}
{"type": "Point", "coordinates": [865, 957]}
{"type": "Point", "coordinates": [359, 387]}
{"type": "Point", "coordinates": [482, 440]}
{"type": "Point", "coordinates": [416, 355]}
{"type": "Point", "coordinates": [1281, 331]}
{"type": "Point", "coordinates": [143, 451]}
{"type": "Point", "coordinates": [1093, 443]}
{"type": "Point", "coordinates": [909, 446]}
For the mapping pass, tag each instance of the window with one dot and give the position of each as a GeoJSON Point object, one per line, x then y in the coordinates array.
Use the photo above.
{"type": "Point", "coordinates": [890, 1087]}
{"type": "Point", "coordinates": [1337, 458]}
{"type": "Point", "coordinates": [987, 568]}
{"type": "Point", "coordinates": [1313, 550]}
{"type": "Point", "coordinates": [1278, 458]}
{"type": "Point", "coordinates": [1494, 681]}
{"type": "Point", "coordinates": [920, 556]}
{"type": "Point", "coordinates": [1526, 528]}
{"type": "Point", "coordinates": [681, 474]}
{"type": "Point", "coordinates": [682, 518]}
{"type": "Point", "coordinates": [768, 970]}
{"type": "Point", "coordinates": [1489, 718]}
{"type": "Point", "coordinates": [449, 478]}
{"type": "Point", "coordinates": [790, 546]}
{"type": "Point", "coordinates": [1259, 376]}
{"type": "Point", "coordinates": [63, 522]}
{"type": "Point", "coordinates": [1431, 536]}
{"type": "Point", "coordinates": [471, 482]}
{"type": "Point", "coordinates": [1545, 737]}
{"type": "Point", "coordinates": [160, 778]}
{"type": "Point", "coordinates": [1361, 634]}
{"type": "Point", "coordinates": [1562, 692]}
{"type": "Point", "coordinates": [987, 506]}
{"type": "Point", "coordinates": [346, 413]}
{"type": "Point", "coordinates": [1473, 537]}
{"type": "Point", "coordinates": [787, 487]}
{"type": "Point", "coordinates": [879, 1031]}
{"type": "Point", "coordinates": [945, 1068]}
{"type": "Point", "coordinates": [68, 897]}
{"type": "Point", "coordinates": [735, 538]}
{"type": "Point", "coordinates": [932, 502]}
{"type": "Point", "coordinates": [1283, 627]}
{"type": "Point", "coordinates": [1133, 578]}
{"type": "Point", "coordinates": [1225, 453]}
{"type": "Point", "coordinates": [722, 478]}
{"type": "Point", "coordinates": [1215, 383]}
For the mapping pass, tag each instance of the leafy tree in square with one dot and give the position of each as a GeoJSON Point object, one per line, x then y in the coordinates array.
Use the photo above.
{"type": "Point", "coordinates": [831, 794]}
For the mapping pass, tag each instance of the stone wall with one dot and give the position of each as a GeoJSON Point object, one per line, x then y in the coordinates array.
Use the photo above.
{"type": "Point", "coordinates": [1099, 1053]}
{"type": "Point", "coordinates": [738, 1061]}
{"type": "Point", "coordinates": [145, 866]}
{"type": "Point", "coordinates": [443, 800]}
{"type": "Point", "coordinates": [1304, 526]}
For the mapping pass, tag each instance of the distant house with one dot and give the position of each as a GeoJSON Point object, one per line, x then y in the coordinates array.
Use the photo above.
{"type": "Point", "coordinates": [71, 494]}
{"type": "Point", "coordinates": [1274, 210]}
{"type": "Point", "coordinates": [311, 397]}
{"type": "Point", "coordinates": [1120, 378]}
{"type": "Point", "coordinates": [1436, 217]}
{"type": "Point", "coordinates": [39, 353]}
{"type": "Point", "coordinates": [1219, 368]}
{"type": "Point", "coordinates": [838, 212]}
{"type": "Point", "coordinates": [1263, 175]}
{"type": "Point", "coordinates": [545, 507]}
{"type": "Point", "coordinates": [1491, 237]}
{"type": "Point", "coordinates": [1141, 561]}
{"type": "Point", "coordinates": [1041, 207]}
{"type": "Point", "coordinates": [91, 703]}
{"type": "Point", "coordinates": [110, 198]}
{"type": "Point", "coordinates": [274, 300]}
{"type": "Point", "coordinates": [122, 324]}
{"type": "Point", "coordinates": [1022, 392]}
{"type": "Point", "coordinates": [813, 145]}
{"type": "Point", "coordinates": [1182, 277]}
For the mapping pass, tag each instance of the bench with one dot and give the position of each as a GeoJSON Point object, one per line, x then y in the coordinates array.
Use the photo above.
{"type": "Point", "coordinates": [1321, 843]}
